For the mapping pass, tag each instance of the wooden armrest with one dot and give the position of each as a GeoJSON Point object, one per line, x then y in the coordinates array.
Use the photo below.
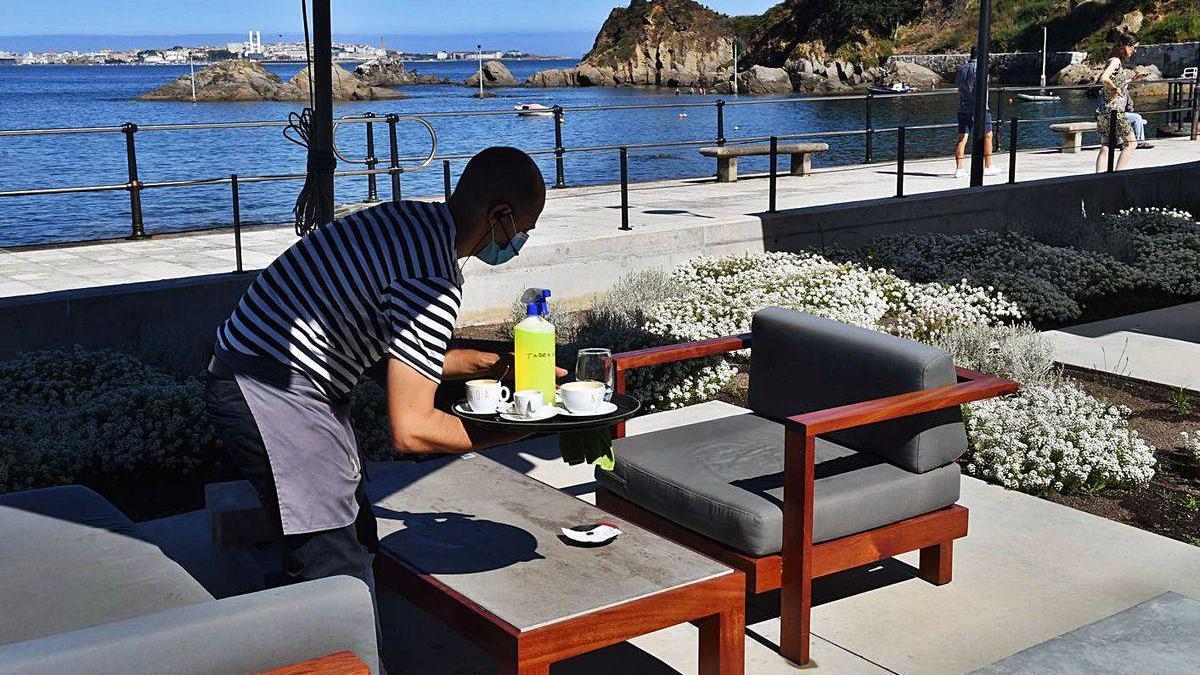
{"type": "Point", "coordinates": [972, 386]}
{"type": "Point", "coordinates": [340, 663]}
{"type": "Point", "coordinates": [652, 356]}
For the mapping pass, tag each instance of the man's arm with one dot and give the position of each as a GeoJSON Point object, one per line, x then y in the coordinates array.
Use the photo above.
{"type": "Point", "coordinates": [416, 426]}
{"type": "Point", "coordinates": [462, 364]}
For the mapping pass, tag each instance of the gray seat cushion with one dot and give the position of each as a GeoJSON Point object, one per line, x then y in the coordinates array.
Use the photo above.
{"type": "Point", "coordinates": [74, 503]}
{"type": "Point", "coordinates": [724, 479]}
{"type": "Point", "coordinates": [802, 363]}
{"type": "Point", "coordinates": [61, 574]}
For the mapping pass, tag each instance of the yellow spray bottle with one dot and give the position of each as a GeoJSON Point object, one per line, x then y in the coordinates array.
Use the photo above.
{"type": "Point", "coordinates": [533, 349]}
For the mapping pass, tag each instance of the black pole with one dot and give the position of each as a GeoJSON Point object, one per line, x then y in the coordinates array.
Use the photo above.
{"type": "Point", "coordinates": [979, 129]}
{"type": "Point", "coordinates": [138, 228]}
{"type": "Point", "coordinates": [900, 162]}
{"type": "Point", "coordinates": [394, 163]}
{"type": "Point", "coordinates": [1012, 150]}
{"type": "Point", "coordinates": [446, 178]}
{"type": "Point", "coordinates": [372, 161]}
{"type": "Point", "coordinates": [998, 139]}
{"type": "Point", "coordinates": [237, 223]}
{"type": "Point", "coordinates": [870, 130]}
{"type": "Point", "coordinates": [1112, 140]}
{"type": "Point", "coordinates": [720, 123]}
{"type": "Point", "coordinates": [1195, 97]}
{"type": "Point", "coordinates": [774, 167]}
{"type": "Point", "coordinates": [625, 189]}
{"type": "Point", "coordinates": [559, 181]}
{"type": "Point", "coordinates": [321, 133]}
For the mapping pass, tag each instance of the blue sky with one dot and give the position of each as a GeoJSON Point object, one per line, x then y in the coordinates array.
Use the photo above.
{"type": "Point", "coordinates": [569, 20]}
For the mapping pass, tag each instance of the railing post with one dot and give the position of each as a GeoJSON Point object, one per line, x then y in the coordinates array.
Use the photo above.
{"type": "Point", "coordinates": [559, 180]}
{"type": "Point", "coordinates": [1012, 150]}
{"type": "Point", "coordinates": [394, 163]}
{"type": "Point", "coordinates": [134, 185]}
{"type": "Point", "coordinates": [446, 178]}
{"type": "Point", "coordinates": [372, 161]}
{"type": "Point", "coordinates": [625, 189]}
{"type": "Point", "coordinates": [774, 170]}
{"type": "Point", "coordinates": [900, 162]}
{"type": "Point", "coordinates": [720, 122]}
{"type": "Point", "coordinates": [237, 223]}
{"type": "Point", "coordinates": [998, 123]}
{"type": "Point", "coordinates": [1195, 98]}
{"type": "Point", "coordinates": [1112, 140]}
{"type": "Point", "coordinates": [870, 130]}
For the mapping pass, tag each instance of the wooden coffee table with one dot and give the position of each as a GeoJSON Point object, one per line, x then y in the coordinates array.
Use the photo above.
{"type": "Point", "coordinates": [479, 546]}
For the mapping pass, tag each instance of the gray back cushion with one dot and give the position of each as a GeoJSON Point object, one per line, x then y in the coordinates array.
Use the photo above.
{"type": "Point", "coordinates": [801, 363]}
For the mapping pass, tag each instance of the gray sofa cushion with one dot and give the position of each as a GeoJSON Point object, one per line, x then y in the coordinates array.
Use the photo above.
{"type": "Point", "coordinates": [73, 503]}
{"type": "Point", "coordinates": [801, 363]}
{"type": "Point", "coordinates": [61, 575]}
{"type": "Point", "coordinates": [724, 479]}
{"type": "Point", "coordinates": [244, 634]}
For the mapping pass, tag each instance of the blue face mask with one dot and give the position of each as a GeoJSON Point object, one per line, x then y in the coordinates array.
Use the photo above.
{"type": "Point", "coordinates": [495, 254]}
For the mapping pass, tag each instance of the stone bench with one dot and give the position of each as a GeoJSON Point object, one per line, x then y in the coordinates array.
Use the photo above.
{"type": "Point", "coordinates": [727, 155]}
{"type": "Point", "coordinates": [1072, 134]}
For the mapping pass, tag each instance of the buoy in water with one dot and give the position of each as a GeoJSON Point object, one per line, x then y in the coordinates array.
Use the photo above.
{"type": "Point", "coordinates": [682, 115]}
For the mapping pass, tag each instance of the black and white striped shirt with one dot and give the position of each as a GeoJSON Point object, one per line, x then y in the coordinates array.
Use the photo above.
{"type": "Point", "coordinates": [382, 280]}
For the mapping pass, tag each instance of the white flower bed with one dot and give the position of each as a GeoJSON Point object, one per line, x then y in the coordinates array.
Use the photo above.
{"type": "Point", "coordinates": [1191, 443]}
{"type": "Point", "coordinates": [1056, 438]}
{"type": "Point", "coordinates": [1049, 283]}
{"type": "Point", "coordinates": [1164, 245]}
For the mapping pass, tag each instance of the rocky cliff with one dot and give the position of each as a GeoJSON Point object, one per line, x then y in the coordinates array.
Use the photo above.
{"type": "Point", "coordinates": [239, 80]}
{"type": "Point", "coordinates": [664, 43]}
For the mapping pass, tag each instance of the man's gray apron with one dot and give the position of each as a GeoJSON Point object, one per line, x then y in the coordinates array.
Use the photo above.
{"type": "Point", "coordinates": [310, 443]}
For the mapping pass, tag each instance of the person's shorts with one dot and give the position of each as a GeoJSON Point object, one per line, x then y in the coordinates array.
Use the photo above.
{"type": "Point", "coordinates": [966, 120]}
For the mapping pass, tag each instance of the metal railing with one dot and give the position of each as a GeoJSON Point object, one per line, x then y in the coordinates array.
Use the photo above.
{"type": "Point", "coordinates": [397, 164]}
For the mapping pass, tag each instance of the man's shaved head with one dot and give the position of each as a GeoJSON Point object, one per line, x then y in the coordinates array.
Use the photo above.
{"type": "Point", "coordinates": [500, 187]}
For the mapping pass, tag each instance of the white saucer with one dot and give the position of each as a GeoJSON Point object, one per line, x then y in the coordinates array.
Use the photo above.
{"type": "Point", "coordinates": [464, 409]}
{"type": "Point", "coordinates": [543, 414]}
{"type": "Point", "coordinates": [605, 408]}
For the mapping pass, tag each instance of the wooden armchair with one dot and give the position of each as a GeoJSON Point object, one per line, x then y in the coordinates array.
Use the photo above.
{"type": "Point", "coordinates": [725, 468]}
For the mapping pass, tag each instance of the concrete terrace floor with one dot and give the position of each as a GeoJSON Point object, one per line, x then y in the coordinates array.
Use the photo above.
{"type": "Point", "coordinates": [1029, 570]}
{"type": "Point", "coordinates": [573, 215]}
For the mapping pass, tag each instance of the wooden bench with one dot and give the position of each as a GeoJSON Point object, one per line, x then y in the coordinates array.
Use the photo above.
{"type": "Point", "coordinates": [727, 157]}
{"type": "Point", "coordinates": [1072, 134]}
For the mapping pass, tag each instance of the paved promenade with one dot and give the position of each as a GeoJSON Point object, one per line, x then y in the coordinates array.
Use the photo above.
{"type": "Point", "coordinates": [684, 217]}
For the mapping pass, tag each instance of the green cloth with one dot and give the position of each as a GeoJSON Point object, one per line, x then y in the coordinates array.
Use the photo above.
{"type": "Point", "coordinates": [593, 446]}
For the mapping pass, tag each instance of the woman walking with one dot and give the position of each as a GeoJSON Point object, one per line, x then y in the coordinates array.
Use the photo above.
{"type": "Point", "coordinates": [1114, 95]}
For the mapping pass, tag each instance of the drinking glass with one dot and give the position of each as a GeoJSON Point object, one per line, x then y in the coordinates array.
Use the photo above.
{"type": "Point", "coordinates": [595, 364]}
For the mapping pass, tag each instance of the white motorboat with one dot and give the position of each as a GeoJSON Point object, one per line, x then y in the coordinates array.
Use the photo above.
{"type": "Point", "coordinates": [1037, 97]}
{"type": "Point", "coordinates": [533, 110]}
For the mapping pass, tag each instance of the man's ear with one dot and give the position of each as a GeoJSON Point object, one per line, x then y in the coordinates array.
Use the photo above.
{"type": "Point", "coordinates": [498, 214]}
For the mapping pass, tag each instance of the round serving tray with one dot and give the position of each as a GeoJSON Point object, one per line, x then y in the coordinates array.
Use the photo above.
{"type": "Point", "coordinates": [627, 406]}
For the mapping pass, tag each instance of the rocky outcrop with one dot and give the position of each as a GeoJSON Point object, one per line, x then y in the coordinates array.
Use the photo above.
{"type": "Point", "coordinates": [911, 74]}
{"type": "Point", "coordinates": [555, 77]}
{"type": "Point", "coordinates": [346, 87]}
{"type": "Point", "coordinates": [390, 71]}
{"type": "Point", "coordinates": [495, 74]}
{"type": "Point", "coordinates": [240, 80]}
{"type": "Point", "coordinates": [824, 77]}
{"type": "Point", "coordinates": [225, 81]}
{"type": "Point", "coordinates": [764, 80]}
{"type": "Point", "coordinates": [665, 43]}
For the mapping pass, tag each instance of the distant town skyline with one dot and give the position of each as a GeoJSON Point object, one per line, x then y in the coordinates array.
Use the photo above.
{"type": "Point", "coordinates": [565, 27]}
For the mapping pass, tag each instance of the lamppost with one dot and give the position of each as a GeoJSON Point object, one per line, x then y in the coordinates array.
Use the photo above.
{"type": "Point", "coordinates": [479, 53]}
{"type": "Point", "coordinates": [979, 130]}
{"type": "Point", "coordinates": [735, 82]}
{"type": "Point", "coordinates": [192, 70]}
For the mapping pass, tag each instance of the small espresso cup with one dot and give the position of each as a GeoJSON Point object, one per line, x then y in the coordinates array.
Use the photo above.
{"type": "Point", "coordinates": [582, 397]}
{"type": "Point", "coordinates": [484, 396]}
{"type": "Point", "coordinates": [527, 402]}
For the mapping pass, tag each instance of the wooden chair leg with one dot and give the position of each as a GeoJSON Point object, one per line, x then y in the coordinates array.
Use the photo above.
{"type": "Point", "coordinates": [937, 563]}
{"type": "Point", "coordinates": [723, 642]}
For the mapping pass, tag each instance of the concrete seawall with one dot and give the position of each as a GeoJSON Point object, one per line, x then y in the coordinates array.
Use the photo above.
{"type": "Point", "coordinates": [1170, 57]}
{"type": "Point", "coordinates": [1005, 67]}
{"type": "Point", "coordinates": [171, 322]}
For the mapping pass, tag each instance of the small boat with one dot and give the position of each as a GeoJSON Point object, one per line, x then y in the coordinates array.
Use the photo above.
{"type": "Point", "coordinates": [1037, 97]}
{"type": "Point", "coordinates": [896, 89]}
{"type": "Point", "coordinates": [533, 110]}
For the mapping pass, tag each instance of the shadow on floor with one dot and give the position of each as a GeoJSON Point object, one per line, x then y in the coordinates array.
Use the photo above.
{"type": "Point", "coordinates": [1180, 322]}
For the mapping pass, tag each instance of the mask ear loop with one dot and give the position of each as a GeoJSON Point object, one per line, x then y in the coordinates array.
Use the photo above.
{"type": "Point", "coordinates": [491, 231]}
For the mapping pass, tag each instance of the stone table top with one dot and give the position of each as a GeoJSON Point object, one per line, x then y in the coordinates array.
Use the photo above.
{"type": "Point", "coordinates": [493, 535]}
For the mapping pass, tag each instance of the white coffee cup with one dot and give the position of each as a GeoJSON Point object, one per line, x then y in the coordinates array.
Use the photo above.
{"type": "Point", "coordinates": [582, 397]}
{"type": "Point", "coordinates": [527, 402]}
{"type": "Point", "coordinates": [484, 396]}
